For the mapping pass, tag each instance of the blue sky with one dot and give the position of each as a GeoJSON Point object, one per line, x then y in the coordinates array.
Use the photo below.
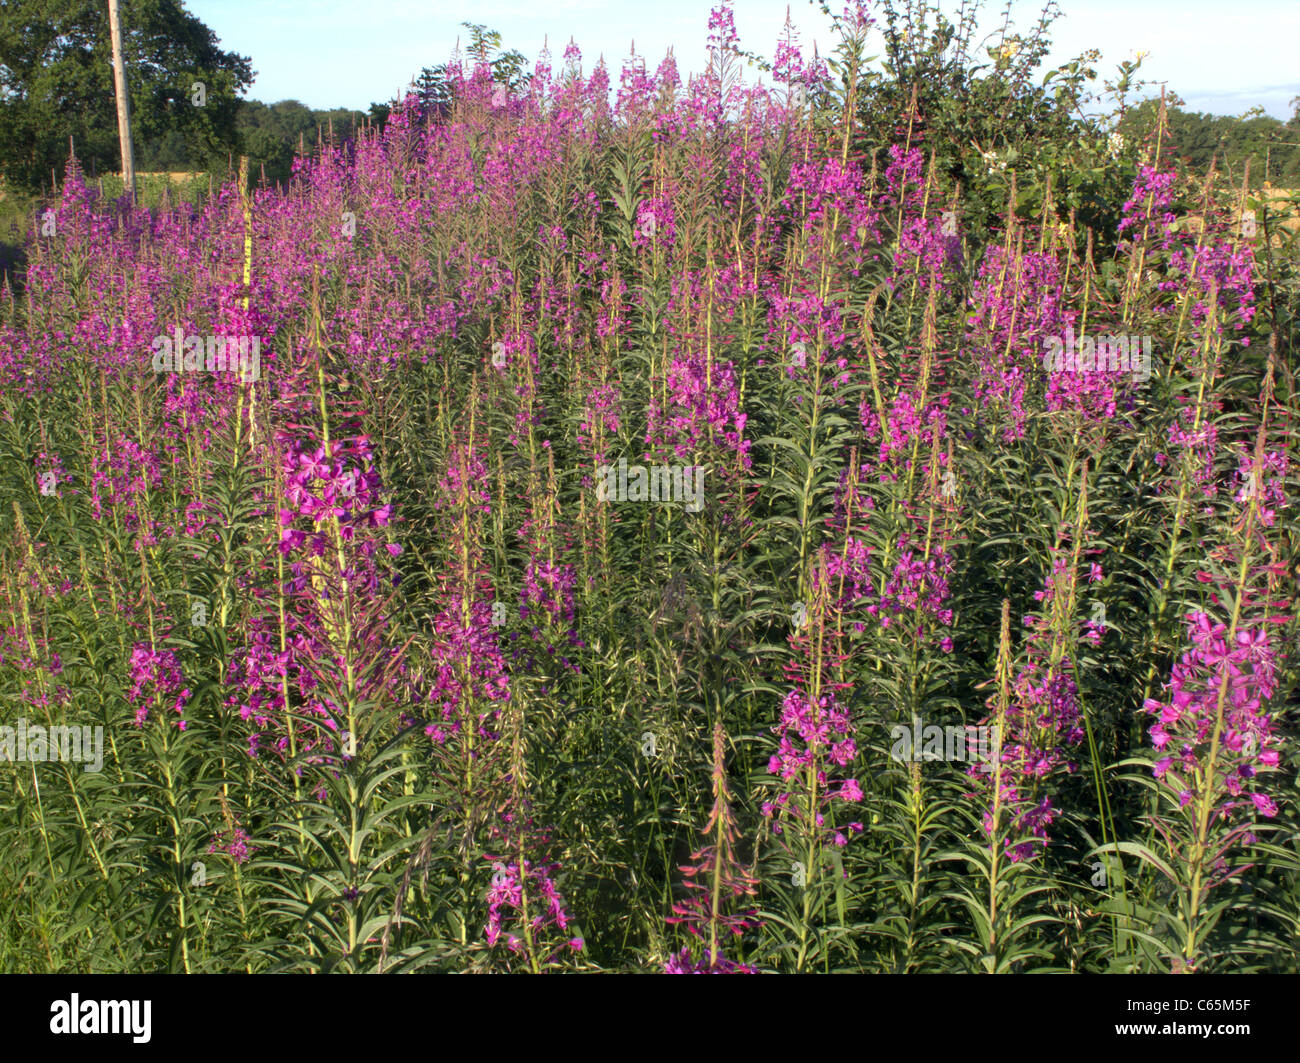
{"type": "Point", "coordinates": [1222, 57]}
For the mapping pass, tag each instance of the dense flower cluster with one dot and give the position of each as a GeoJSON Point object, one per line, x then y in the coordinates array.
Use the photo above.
{"type": "Point", "coordinates": [233, 842]}
{"type": "Point", "coordinates": [332, 516]}
{"type": "Point", "coordinates": [321, 487]}
{"type": "Point", "coordinates": [813, 738]}
{"type": "Point", "coordinates": [1187, 717]}
{"type": "Point", "coordinates": [1147, 211]}
{"type": "Point", "coordinates": [1017, 304]}
{"type": "Point", "coordinates": [506, 906]}
{"type": "Point", "coordinates": [456, 685]}
{"type": "Point", "coordinates": [157, 681]}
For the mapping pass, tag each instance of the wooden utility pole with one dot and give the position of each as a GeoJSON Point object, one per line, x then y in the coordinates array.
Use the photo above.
{"type": "Point", "coordinates": [123, 101]}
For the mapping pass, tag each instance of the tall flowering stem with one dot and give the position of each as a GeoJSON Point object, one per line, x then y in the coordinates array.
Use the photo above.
{"type": "Point", "coordinates": [715, 881]}
{"type": "Point", "coordinates": [816, 737]}
{"type": "Point", "coordinates": [1213, 727]}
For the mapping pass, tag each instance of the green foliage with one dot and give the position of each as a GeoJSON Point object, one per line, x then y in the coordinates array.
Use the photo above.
{"type": "Point", "coordinates": [380, 858]}
{"type": "Point", "coordinates": [1268, 146]}
{"type": "Point", "coordinates": [56, 87]}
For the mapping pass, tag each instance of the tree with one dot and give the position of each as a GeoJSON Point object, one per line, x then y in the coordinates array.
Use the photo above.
{"type": "Point", "coordinates": [435, 88]}
{"type": "Point", "coordinates": [1271, 148]}
{"type": "Point", "coordinates": [56, 81]}
{"type": "Point", "coordinates": [984, 107]}
{"type": "Point", "coordinates": [270, 135]}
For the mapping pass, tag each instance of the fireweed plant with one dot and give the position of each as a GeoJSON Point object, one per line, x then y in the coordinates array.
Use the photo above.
{"type": "Point", "coordinates": [389, 680]}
